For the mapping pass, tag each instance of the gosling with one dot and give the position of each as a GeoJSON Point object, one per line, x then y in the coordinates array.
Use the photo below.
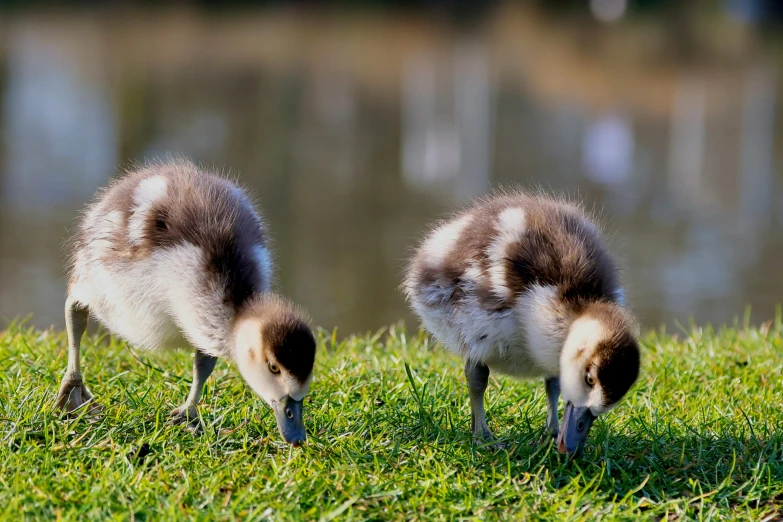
{"type": "Point", "coordinates": [172, 256]}
{"type": "Point", "coordinates": [523, 285]}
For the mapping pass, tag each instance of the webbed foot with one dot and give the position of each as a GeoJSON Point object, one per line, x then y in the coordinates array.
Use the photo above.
{"type": "Point", "coordinates": [187, 415]}
{"type": "Point", "coordinates": [74, 395]}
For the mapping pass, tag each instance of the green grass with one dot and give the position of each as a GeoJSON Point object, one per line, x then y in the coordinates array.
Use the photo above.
{"type": "Point", "coordinates": [699, 437]}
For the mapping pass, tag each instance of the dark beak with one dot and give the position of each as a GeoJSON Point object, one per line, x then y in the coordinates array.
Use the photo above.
{"type": "Point", "coordinates": [289, 420]}
{"type": "Point", "coordinates": [577, 422]}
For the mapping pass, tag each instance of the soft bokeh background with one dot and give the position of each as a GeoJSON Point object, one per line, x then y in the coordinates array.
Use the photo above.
{"type": "Point", "coordinates": [357, 123]}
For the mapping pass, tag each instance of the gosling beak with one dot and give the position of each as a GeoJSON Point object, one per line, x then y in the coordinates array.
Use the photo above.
{"type": "Point", "coordinates": [577, 422]}
{"type": "Point", "coordinates": [289, 420]}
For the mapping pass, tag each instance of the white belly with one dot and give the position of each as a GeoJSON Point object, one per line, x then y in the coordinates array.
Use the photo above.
{"type": "Point", "coordinates": [140, 328]}
{"type": "Point", "coordinates": [495, 338]}
{"type": "Point", "coordinates": [134, 312]}
{"type": "Point", "coordinates": [516, 341]}
{"type": "Point", "coordinates": [163, 301]}
{"type": "Point", "coordinates": [517, 362]}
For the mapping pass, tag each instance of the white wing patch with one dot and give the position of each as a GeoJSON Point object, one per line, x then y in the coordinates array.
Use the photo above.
{"type": "Point", "coordinates": [511, 226]}
{"type": "Point", "coordinates": [147, 193]}
{"type": "Point", "coordinates": [441, 242]}
{"type": "Point", "coordinates": [433, 252]}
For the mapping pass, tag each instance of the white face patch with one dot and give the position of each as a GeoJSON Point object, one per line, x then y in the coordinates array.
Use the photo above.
{"type": "Point", "coordinates": [147, 193]}
{"type": "Point", "coordinates": [584, 333]}
{"type": "Point", "coordinates": [247, 353]}
{"type": "Point", "coordinates": [269, 386]}
{"type": "Point", "coordinates": [441, 242]}
{"type": "Point", "coordinates": [581, 342]}
{"type": "Point", "coordinates": [511, 226]}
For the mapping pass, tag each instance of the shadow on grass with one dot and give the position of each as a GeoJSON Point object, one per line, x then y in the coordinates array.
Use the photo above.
{"type": "Point", "coordinates": [656, 464]}
{"type": "Point", "coordinates": [659, 468]}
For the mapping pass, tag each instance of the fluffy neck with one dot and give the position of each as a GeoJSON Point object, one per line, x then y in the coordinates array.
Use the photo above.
{"type": "Point", "coordinates": [245, 338]}
{"type": "Point", "coordinates": [556, 329]}
{"type": "Point", "coordinates": [546, 320]}
{"type": "Point", "coordinates": [248, 322]}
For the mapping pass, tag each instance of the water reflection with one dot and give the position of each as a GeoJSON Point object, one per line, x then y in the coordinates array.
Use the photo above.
{"type": "Point", "coordinates": [354, 140]}
{"type": "Point", "coordinates": [58, 120]}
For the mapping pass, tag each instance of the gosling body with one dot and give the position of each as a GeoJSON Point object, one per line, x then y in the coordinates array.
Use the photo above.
{"type": "Point", "coordinates": [522, 285]}
{"type": "Point", "coordinates": [171, 256]}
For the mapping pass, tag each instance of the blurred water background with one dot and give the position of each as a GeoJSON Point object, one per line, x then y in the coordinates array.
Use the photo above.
{"type": "Point", "coordinates": [356, 124]}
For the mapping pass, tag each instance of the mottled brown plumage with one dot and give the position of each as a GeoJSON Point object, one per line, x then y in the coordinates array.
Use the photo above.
{"type": "Point", "coordinates": [170, 255]}
{"type": "Point", "coordinates": [523, 284]}
{"type": "Point", "coordinates": [198, 208]}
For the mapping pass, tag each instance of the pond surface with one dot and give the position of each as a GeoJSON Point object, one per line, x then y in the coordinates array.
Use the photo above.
{"type": "Point", "coordinates": [355, 131]}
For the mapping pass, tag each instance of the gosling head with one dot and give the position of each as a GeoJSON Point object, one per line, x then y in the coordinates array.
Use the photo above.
{"type": "Point", "coordinates": [598, 364]}
{"type": "Point", "coordinates": [274, 349]}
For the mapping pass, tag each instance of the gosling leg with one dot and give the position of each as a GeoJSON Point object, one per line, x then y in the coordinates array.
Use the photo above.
{"type": "Point", "coordinates": [477, 375]}
{"type": "Point", "coordinates": [188, 413]}
{"type": "Point", "coordinates": [73, 393]}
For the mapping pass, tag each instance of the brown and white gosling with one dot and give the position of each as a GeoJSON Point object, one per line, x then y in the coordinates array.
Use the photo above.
{"type": "Point", "coordinates": [171, 256]}
{"type": "Point", "coordinates": [523, 285]}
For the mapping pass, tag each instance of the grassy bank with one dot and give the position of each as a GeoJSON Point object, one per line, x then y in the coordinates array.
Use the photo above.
{"type": "Point", "coordinates": [700, 436]}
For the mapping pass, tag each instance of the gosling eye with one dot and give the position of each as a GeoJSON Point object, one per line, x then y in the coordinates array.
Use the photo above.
{"type": "Point", "coordinates": [589, 380]}
{"type": "Point", "coordinates": [274, 368]}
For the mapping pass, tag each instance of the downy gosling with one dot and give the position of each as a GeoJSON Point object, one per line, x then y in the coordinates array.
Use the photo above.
{"type": "Point", "coordinates": [172, 256]}
{"type": "Point", "coordinates": [523, 285]}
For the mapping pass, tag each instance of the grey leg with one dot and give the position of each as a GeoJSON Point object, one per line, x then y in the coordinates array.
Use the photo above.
{"type": "Point", "coordinates": [477, 375]}
{"type": "Point", "coordinates": [73, 393]}
{"type": "Point", "coordinates": [552, 385]}
{"type": "Point", "coordinates": [187, 413]}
